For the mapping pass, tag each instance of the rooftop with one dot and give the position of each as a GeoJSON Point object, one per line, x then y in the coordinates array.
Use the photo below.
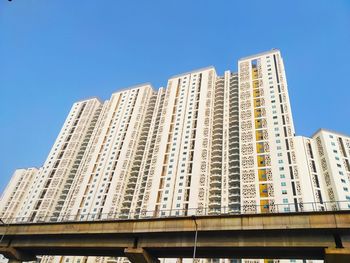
{"type": "Point", "coordinates": [193, 71]}
{"type": "Point", "coordinates": [274, 50]}
{"type": "Point", "coordinates": [330, 131]}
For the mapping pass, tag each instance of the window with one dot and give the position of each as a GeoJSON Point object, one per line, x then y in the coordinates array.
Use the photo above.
{"type": "Point", "coordinates": [284, 192]}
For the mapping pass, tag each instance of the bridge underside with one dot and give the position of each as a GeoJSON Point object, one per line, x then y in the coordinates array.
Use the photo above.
{"type": "Point", "coordinates": [323, 236]}
{"type": "Point", "coordinates": [285, 244]}
{"type": "Point", "coordinates": [202, 252]}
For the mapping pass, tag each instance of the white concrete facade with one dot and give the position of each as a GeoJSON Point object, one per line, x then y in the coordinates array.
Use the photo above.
{"type": "Point", "coordinates": [311, 180]}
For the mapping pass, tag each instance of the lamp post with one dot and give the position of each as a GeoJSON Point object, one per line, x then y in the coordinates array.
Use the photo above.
{"type": "Point", "coordinates": [195, 237]}
{"type": "Point", "coordinates": [3, 235]}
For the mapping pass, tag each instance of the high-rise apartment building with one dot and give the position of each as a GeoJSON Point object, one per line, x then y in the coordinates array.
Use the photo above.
{"type": "Point", "coordinates": [50, 187]}
{"type": "Point", "coordinates": [205, 144]}
{"type": "Point", "coordinates": [333, 151]}
{"type": "Point", "coordinates": [311, 182]}
{"type": "Point", "coordinates": [269, 171]}
{"type": "Point", "coordinates": [16, 192]}
{"type": "Point", "coordinates": [111, 155]}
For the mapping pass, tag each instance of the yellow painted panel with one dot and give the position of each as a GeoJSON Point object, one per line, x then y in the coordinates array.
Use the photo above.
{"type": "Point", "coordinates": [262, 175]}
{"type": "Point", "coordinates": [258, 123]}
{"type": "Point", "coordinates": [261, 161]}
{"type": "Point", "coordinates": [263, 190]}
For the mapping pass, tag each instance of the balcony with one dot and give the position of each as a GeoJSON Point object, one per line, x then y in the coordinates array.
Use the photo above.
{"type": "Point", "coordinates": [258, 103]}
{"type": "Point", "coordinates": [216, 169]}
{"type": "Point", "coordinates": [264, 206]}
{"type": "Point", "coordinates": [215, 206]}
{"type": "Point", "coordinates": [217, 125]}
{"type": "Point", "coordinates": [216, 158]}
{"type": "Point", "coordinates": [260, 147]}
{"type": "Point", "coordinates": [129, 191]}
{"type": "Point", "coordinates": [217, 135]}
{"type": "Point", "coordinates": [215, 189]}
{"type": "Point", "coordinates": [257, 114]}
{"type": "Point", "coordinates": [255, 84]}
{"type": "Point", "coordinates": [133, 179]}
{"type": "Point", "coordinates": [254, 74]}
{"type": "Point", "coordinates": [234, 184]}
{"type": "Point", "coordinates": [262, 175]}
{"type": "Point", "coordinates": [259, 135]}
{"type": "Point", "coordinates": [263, 190]}
{"type": "Point", "coordinates": [235, 192]}
{"type": "Point", "coordinates": [131, 184]}
{"type": "Point", "coordinates": [258, 123]}
{"type": "Point", "coordinates": [261, 161]}
{"type": "Point", "coordinates": [217, 148]}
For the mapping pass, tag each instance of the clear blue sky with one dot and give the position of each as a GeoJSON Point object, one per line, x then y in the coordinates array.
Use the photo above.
{"type": "Point", "coordinates": [55, 52]}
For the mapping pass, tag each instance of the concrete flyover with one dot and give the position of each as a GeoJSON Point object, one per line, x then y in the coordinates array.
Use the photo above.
{"type": "Point", "coordinates": [307, 235]}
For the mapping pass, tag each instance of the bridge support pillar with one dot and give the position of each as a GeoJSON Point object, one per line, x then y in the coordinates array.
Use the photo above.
{"type": "Point", "coordinates": [139, 255]}
{"type": "Point", "coordinates": [16, 256]}
{"type": "Point", "coordinates": [337, 255]}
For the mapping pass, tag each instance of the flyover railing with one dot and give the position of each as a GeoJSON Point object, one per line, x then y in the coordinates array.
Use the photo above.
{"type": "Point", "coordinates": [214, 209]}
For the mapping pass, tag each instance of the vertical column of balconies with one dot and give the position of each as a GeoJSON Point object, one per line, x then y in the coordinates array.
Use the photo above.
{"type": "Point", "coordinates": [170, 142]}
{"type": "Point", "coordinates": [145, 201]}
{"type": "Point", "coordinates": [261, 137]}
{"type": "Point", "coordinates": [63, 161]}
{"type": "Point", "coordinates": [130, 155]}
{"type": "Point", "coordinates": [315, 174]}
{"type": "Point", "coordinates": [150, 154]}
{"type": "Point", "coordinates": [78, 184]}
{"type": "Point", "coordinates": [135, 178]}
{"type": "Point", "coordinates": [216, 150]}
{"type": "Point", "coordinates": [78, 160]}
{"type": "Point", "coordinates": [233, 149]}
{"type": "Point", "coordinates": [344, 150]}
